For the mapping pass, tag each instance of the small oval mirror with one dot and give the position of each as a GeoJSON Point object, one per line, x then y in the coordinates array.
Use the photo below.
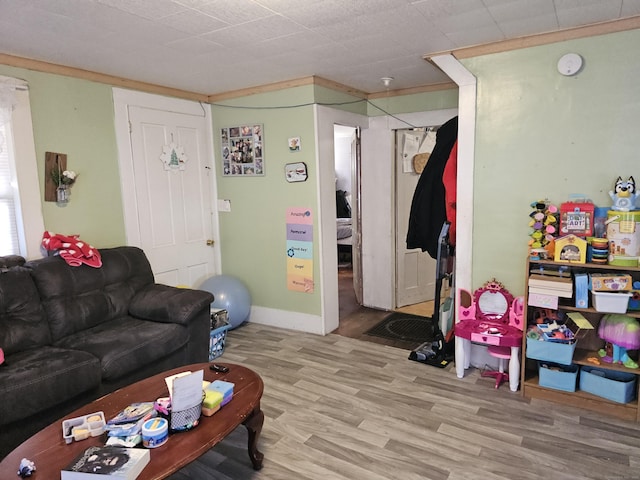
{"type": "Point", "coordinates": [493, 302]}
{"type": "Point", "coordinates": [493, 305]}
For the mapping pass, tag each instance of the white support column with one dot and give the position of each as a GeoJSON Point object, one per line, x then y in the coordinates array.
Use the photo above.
{"type": "Point", "coordinates": [466, 152]}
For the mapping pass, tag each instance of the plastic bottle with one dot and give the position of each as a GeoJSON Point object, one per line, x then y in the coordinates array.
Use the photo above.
{"type": "Point", "coordinates": [599, 222]}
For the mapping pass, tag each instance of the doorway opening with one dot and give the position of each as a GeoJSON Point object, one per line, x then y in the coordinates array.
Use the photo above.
{"type": "Point", "coordinates": [346, 167]}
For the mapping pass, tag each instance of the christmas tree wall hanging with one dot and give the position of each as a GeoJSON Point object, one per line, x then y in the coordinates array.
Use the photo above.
{"type": "Point", "coordinates": [173, 157]}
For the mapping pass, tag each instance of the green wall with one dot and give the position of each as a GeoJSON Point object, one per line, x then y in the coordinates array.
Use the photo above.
{"type": "Point", "coordinates": [76, 117]}
{"type": "Point", "coordinates": [253, 233]}
{"type": "Point", "coordinates": [543, 135]}
{"type": "Point", "coordinates": [417, 102]}
{"type": "Point", "coordinates": [538, 135]}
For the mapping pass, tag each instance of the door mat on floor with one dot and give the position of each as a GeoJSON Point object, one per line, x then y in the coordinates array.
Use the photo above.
{"type": "Point", "coordinates": [403, 326]}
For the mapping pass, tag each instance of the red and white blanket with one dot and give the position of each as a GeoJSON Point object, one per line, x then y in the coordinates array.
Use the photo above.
{"type": "Point", "coordinates": [73, 250]}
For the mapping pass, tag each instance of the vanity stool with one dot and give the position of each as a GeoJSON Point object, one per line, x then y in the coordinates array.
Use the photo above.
{"type": "Point", "coordinates": [492, 317]}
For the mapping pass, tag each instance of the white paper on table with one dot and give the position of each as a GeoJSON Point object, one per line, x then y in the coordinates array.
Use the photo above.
{"type": "Point", "coordinates": [169, 380]}
{"type": "Point", "coordinates": [186, 390]}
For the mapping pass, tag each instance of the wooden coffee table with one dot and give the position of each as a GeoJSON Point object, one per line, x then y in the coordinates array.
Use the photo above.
{"type": "Point", "coordinates": [50, 453]}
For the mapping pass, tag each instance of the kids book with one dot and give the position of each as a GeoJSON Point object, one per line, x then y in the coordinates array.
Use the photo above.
{"type": "Point", "coordinates": [107, 462]}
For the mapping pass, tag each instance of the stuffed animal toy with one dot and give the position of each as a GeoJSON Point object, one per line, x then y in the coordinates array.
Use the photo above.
{"type": "Point", "coordinates": [543, 223]}
{"type": "Point", "coordinates": [624, 195]}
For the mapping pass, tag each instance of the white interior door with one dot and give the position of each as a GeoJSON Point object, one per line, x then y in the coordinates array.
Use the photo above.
{"type": "Point", "coordinates": [173, 202]}
{"type": "Point", "coordinates": [415, 269]}
{"type": "Point", "coordinates": [356, 216]}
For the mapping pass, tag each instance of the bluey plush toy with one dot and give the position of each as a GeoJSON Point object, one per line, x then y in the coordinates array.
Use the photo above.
{"type": "Point", "coordinates": [624, 196]}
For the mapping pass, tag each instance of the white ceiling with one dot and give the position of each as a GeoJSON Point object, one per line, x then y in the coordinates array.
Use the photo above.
{"type": "Point", "coordinates": [215, 46]}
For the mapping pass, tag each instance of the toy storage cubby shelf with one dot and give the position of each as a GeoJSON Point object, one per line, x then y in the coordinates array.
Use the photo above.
{"type": "Point", "coordinates": [585, 348]}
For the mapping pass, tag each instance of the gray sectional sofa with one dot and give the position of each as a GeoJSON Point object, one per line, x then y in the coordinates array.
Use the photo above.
{"type": "Point", "coordinates": [72, 334]}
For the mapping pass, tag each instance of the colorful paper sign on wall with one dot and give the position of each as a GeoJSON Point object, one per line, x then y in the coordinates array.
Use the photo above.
{"type": "Point", "coordinates": [299, 215]}
{"type": "Point", "coordinates": [300, 250]}
{"type": "Point", "coordinates": [303, 233]}
{"type": "Point", "coordinates": [296, 249]}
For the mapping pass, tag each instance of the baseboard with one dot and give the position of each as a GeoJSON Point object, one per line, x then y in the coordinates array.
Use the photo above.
{"type": "Point", "coordinates": [272, 317]}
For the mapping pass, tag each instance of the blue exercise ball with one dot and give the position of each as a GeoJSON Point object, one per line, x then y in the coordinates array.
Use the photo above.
{"type": "Point", "coordinates": [229, 294]}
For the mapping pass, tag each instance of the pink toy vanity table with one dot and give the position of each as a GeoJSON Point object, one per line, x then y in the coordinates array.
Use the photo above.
{"type": "Point", "coordinates": [490, 317]}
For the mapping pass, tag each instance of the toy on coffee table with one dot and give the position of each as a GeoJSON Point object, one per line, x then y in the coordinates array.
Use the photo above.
{"type": "Point", "coordinates": [624, 195]}
{"type": "Point", "coordinates": [543, 223]}
{"type": "Point", "coordinates": [622, 333]}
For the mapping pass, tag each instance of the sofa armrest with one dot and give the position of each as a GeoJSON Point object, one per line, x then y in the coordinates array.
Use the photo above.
{"type": "Point", "coordinates": [162, 303]}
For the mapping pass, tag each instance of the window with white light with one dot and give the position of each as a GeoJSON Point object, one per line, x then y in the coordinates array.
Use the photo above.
{"type": "Point", "coordinates": [9, 238]}
{"type": "Point", "coordinates": [21, 219]}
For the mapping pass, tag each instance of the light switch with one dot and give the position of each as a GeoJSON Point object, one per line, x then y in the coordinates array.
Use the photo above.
{"type": "Point", "coordinates": [224, 205]}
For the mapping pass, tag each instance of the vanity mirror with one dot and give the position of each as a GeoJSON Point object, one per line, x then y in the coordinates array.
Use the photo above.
{"type": "Point", "coordinates": [493, 302]}
{"type": "Point", "coordinates": [494, 318]}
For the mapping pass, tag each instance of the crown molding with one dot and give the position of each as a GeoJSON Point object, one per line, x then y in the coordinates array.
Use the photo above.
{"type": "Point", "coordinates": [46, 67]}
{"type": "Point", "coordinates": [436, 87]}
{"type": "Point", "coordinates": [272, 87]}
{"type": "Point", "coordinates": [603, 28]}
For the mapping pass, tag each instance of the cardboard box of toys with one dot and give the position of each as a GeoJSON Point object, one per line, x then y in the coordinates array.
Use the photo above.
{"type": "Point", "coordinates": [602, 282]}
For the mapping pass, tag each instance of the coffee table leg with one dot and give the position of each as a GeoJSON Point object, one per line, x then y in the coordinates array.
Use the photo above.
{"type": "Point", "coordinates": [254, 427]}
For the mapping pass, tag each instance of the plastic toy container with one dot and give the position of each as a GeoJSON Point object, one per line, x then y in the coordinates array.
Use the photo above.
{"type": "Point", "coordinates": [576, 217]}
{"type": "Point", "coordinates": [79, 428]}
{"type": "Point", "coordinates": [218, 333]}
{"type": "Point", "coordinates": [155, 432]}
{"type": "Point", "coordinates": [610, 302]}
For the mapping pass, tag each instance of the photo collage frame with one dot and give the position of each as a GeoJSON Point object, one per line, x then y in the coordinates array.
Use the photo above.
{"type": "Point", "coordinates": [242, 150]}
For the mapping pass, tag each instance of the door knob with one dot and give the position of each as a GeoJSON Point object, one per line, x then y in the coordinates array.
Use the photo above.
{"type": "Point", "coordinates": [210, 243]}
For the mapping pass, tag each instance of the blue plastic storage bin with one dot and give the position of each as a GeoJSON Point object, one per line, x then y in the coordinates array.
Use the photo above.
{"type": "Point", "coordinates": [550, 351]}
{"type": "Point", "coordinates": [610, 384]}
{"type": "Point", "coordinates": [558, 377]}
{"type": "Point", "coordinates": [218, 334]}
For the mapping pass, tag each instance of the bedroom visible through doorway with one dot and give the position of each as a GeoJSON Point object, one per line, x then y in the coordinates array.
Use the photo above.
{"type": "Point", "coordinates": [347, 190]}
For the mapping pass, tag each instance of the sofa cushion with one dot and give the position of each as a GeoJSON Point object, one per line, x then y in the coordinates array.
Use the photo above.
{"type": "Point", "coordinates": [38, 378]}
{"type": "Point", "coordinates": [125, 344]}
{"type": "Point", "coordinates": [10, 261]}
{"type": "Point", "coordinates": [162, 303]}
{"type": "Point", "coordinates": [22, 321]}
{"type": "Point", "coordinates": [79, 298]}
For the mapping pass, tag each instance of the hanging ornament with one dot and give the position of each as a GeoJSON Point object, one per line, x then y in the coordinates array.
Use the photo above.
{"type": "Point", "coordinates": [173, 157]}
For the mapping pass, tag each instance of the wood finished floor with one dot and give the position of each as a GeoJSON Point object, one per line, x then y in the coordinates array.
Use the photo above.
{"type": "Point", "coordinates": [355, 319]}
{"type": "Point", "coordinates": [340, 408]}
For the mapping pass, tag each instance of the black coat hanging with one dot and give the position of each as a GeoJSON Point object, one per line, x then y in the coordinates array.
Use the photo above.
{"type": "Point", "coordinates": [428, 208]}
